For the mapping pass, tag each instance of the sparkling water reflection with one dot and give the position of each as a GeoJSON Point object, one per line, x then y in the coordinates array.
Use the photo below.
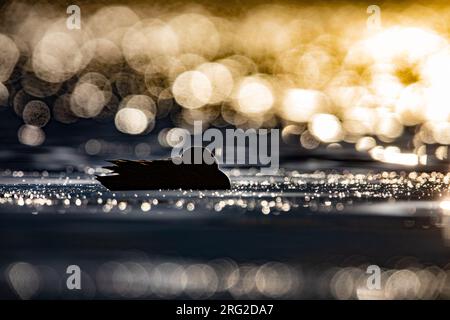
{"type": "Point", "coordinates": [290, 235]}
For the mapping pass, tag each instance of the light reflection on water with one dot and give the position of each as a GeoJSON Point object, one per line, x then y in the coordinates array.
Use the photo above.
{"type": "Point", "coordinates": [315, 233]}
{"type": "Point", "coordinates": [285, 192]}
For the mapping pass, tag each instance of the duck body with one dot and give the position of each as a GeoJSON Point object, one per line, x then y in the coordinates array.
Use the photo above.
{"type": "Point", "coordinates": [163, 174]}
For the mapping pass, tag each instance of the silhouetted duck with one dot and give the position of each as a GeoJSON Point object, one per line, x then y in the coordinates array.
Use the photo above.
{"type": "Point", "coordinates": [180, 173]}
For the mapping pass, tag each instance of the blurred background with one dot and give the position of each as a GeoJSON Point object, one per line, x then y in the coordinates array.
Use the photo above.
{"type": "Point", "coordinates": [366, 82]}
{"type": "Point", "coordinates": [358, 90]}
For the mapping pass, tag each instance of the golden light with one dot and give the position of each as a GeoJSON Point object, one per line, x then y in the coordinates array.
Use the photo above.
{"type": "Point", "coordinates": [9, 55]}
{"type": "Point", "coordinates": [365, 144]}
{"type": "Point", "coordinates": [60, 54]}
{"type": "Point", "coordinates": [426, 134]}
{"type": "Point", "coordinates": [254, 96]}
{"type": "Point", "coordinates": [387, 88]}
{"type": "Point", "coordinates": [411, 104]}
{"type": "Point", "coordinates": [221, 81]}
{"type": "Point", "coordinates": [196, 33]}
{"type": "Point", "coordinates": [392, 154]}
{"type": "Point", "coordinates": [326, 127]}
{"type": "Point", "coordinates": [266, 31]}
{"type": "Point", "coordinates": [436, 67]}
{"type": "Point", "coordinates": [131, 121]}
{"type": "Point", "coordinates": [359, 120]}
{"type": "Point", "coordinates": [239, 65]}
{"type": "Point", "coordinates": [247, 68]}
{"type": "Point", "coordinates": [231, 116]}
{"type": "Point", "coordinates": [141, 102]}
{"type": "Point", "coordinates": [205, 114]}
{"type": "Point", "coordinates": [107, 52]}
{"type": "Point", "coordinates": [4, 95]}
{"type": "Point", "coordinates": [349, 96]}
{"type": "Point", "coordinates": [291, 133]}
{"type": "Point", "coordinates": [409, 43]}
{"type": "Point", "coordinates": [146, 40]}
{"type": "Point", "coordinates": [192, 89]}
{"type": "Point", "coordinates": [309, 141]}
{"type": "Point", "coordinates": [315, 68]}
{"type": "Point", "coordinates": [442, 152]}
{"type": "Point", "coordinates": [31, 135]}
{"type": "Point", "coordinates": [87, 100]}
{"type": "Point", "coordinates": [388, 126]}
{"type": "Point", "coordinates": [407, 159]}
{"type": "Point", "coordinates": [300, 105]}
{"type": "Point", "coordinates": [146, 206]}
{"type": "Point", "coordinates": [441, 132]}
{"type": "Point", "coordinates": [445, 205]}
{"type": "Point", "coordinates": [402, 284]}
{"type": "Point", "coordinates": [437, 105]}
{"type": "Point", "coordinates": [108, 20]}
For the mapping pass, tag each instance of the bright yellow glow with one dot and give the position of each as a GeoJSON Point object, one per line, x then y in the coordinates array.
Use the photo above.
{"type": "Point", "coordinates": [411, 104]}
{"type": "Point", "coordinates": [365, 144]}
{"type": "Point", "coordinates": [410, 43]}
{"type": "Point", "coordinates": [441, 132]}
{"type": "Point", "coordinates": [60, 53]}
{"type": "Point", "coordinates": [437, 107]}
{"type": "Point", "coordinates": [196, 34]}
{"type": "Point", "coordinates": [262, 66]}
{"type": "Point", "coordinates": [326, 127]}
{"type": "Point", "coordinates": [192, 89]}
{"type": "Point", "coordinates": [388, 125]}
{"type": "Point", "coordinates": [146, 206]}
{"type": "Point", "coordinates": [56, 57]}
{"type": "Point", "coordinates": [300, 105]}
{"type": "Point", "coordinates": [254, 96]}
{"type": "Point", "coordinates": [347, 97]}
{"type": "Point", "coordinates": [442, 153]}
{"type": "Point", "coordinates": [146, 40]}
{"type": "Point", "coordinates": [221, 81]}
{"type": "Point", "coordinates": [436, 68]}
{"type": "Point", "coordinates": [393, 155]}
{"type": "Point", "coordinates": [445, 205]}
{"type": "Point", "coordinates": [131, 121]}
{"type": "Point", "coordinates": [359, 120]}
{"type": "Point", "coordinates": [387, 88]}
{"type": "Point", "coordinates": [109, 20]}
{"type": "Point", "coordinates": [407, 159]}
{"type": "Point", "coordinates": [141, 102]}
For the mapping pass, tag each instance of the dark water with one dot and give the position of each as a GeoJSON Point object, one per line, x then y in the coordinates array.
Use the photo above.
{"type": "Point", "coordinates": [291, 235]}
